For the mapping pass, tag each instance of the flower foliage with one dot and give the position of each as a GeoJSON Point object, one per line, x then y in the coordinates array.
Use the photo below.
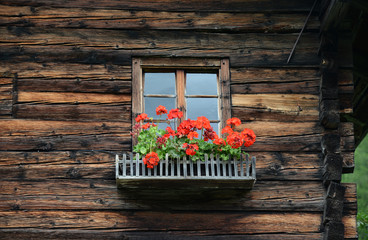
{"type": "Point", "coordinates": [155, 143]}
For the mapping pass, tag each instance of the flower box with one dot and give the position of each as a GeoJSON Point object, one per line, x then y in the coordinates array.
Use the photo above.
{"type": "Point", "coordinates": [212, 172]}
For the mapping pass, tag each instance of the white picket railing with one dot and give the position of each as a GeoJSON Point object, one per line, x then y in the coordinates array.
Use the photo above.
{"type": "Point", "coordinates": [212, 168]}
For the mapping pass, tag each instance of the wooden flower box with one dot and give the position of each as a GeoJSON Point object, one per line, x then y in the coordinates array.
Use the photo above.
{"type": "Point", "coordinates": [210, 173]}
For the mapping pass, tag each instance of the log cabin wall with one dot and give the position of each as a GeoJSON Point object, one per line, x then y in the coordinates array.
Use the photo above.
{"type": "Point", "coordinates": [66, 105]}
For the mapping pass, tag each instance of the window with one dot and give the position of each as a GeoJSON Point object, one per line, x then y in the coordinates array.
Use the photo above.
{"type": "Point", "coordinates": [198, 87]}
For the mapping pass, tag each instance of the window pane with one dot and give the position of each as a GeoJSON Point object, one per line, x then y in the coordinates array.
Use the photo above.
{"type": "Point", "coordinates": [201, 84]}
{"type": "Point", "coordinates": [215, 127]}
{"type": "Point", "coordinates": [151, 103]}
{"type": "Point", "coordinates": [207, 107]}
{"type": "Point", "coordinates": [159, 83]}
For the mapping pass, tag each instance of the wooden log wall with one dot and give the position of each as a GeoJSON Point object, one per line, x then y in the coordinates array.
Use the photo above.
{"type": "Point", "coordinates": [65, 87]}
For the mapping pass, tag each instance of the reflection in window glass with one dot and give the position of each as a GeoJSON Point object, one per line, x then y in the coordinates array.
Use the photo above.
{"type": "Point", "coordinates": [201, 84]}
{"type": "Point", "coordinates": [207, 107]}
{"type": "Point", "coordinates": [159, 83]}
{"type": "Point", "coordinates": [151, 103]}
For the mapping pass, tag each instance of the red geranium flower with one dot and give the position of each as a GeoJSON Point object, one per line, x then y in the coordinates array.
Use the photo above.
{"type": "Point", "coordinates": [233, 121]}
{"type": "Point", "coordinates": [141, 117]}
{"type": "Point", "coordinates": [209, 134]}
{"type": "Point", "coordinates": [175, 113]}
{"type": "Point", "coordinates": [148, 125]}
{"type": "Point", "coordinates": [202, 122]}
{"type": "Point", "coordinates": [235, 140]}
{"type": "Point", "coordinates": [161, 110]}
{"type": "Point", "coordinates": [190, 148]}
{"type": "Point", "coordinates": [227, 129]}
{"type": "Point", "coordinates": [151, 159]}
{"type": "Point", "coordinates": [186, 127]}
{"type": "Point", "coordinates": [219, 142]}
{"type": "Point", "coordinates": [192, 135]}
{"type": "Point", "coordinates": [248, 136]}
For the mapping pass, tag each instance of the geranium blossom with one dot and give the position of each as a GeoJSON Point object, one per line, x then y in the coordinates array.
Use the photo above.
{"type": "Point", "coordinates": [235, 140]}
{"type": "Point", "coordinates": [186, 127]}
{"type": "Point", "coordinates": [175, 113]}
{"type": "Point", "coordinates": [209, 134]}
{"type": "Point", "coordinates": [248, 136]}
{"type": "Point", "coordinates": [227, 130]}
{"type": "Point", "coordinates": [192, 135]}
{"type": "Point", "coordinates": [161, 110]}
{"type": "Point", "coordinates": [148, 125]}
{"type": "Point", "coordinates": [233, 121]}
{"type": "Point", "coordinates": [141, 117]}
{"type": "Point", "coordinates": [151, 159]}
{"type": "Point", "coordinates": [219, 142]}
{"type": "Point", "coordinates": [202, 122]}
{"type": "Point", "coordinates": [190, 149]}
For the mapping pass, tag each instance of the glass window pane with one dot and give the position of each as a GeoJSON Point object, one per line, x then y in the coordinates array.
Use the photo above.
{"type": "Point", "coordinates": [207, 107]}
{"type": "Point", "coordinates": [215, 127]}
{"type": "Point", "coordinates": [201, 84]}
{"type": "Point", "coordinates": [159, 83]}
{"type": "Point", "coordinates": [151, 103]}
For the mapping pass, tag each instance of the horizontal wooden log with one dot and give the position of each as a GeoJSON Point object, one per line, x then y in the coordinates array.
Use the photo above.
{"type": "Point", "coordinates": [102, 194]}
{"type": "Point", "coordinates": [125, 19]}
{"type": "Point", "coordinates": [76, 112]}
{"type": "Point", "coordinates": [93, 47]}
{"type": "Point", "coordinates": [54, 71]}
{"type": "Point", "coordinates": [270, 80]}
{"type": "Point", "coordinates": [350, 198]}
{"type": "Point", "coordinates": [346, 131]}
{"type": "Point", "coordinates": [75, 85]}
{"type": "Point", "coordinates": [6, 96]}
{"type": "Point", "coordinates": [289, 105]}
{"type": "Point", "coordinates": [94, 165]}
{"type": "Point", "coordinates": [110, 39]}
{"type": "Point", "coordinates": [226, 223]}
{"type": "Point", "coordinates": [68, 97]}
{"type": "Point", "coordinates": [187, 5]}
{"type": "Point", "coordinates": [10, 234]}
{"type": "Point", "coordinates": [58, 135]}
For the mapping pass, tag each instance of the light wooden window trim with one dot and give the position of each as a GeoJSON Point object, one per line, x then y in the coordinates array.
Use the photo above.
{"type": "Point", "coordinates": [180, 65]}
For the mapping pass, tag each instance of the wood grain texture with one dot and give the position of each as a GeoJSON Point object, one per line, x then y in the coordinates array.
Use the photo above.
{"type": "Point", "coordinates": [187, 5]}
{"type": "Point", "coordinates": [125, 19]}
{"type": "Point", "coordinates": [57, 135]}
{"type": "Point", "coordinates": [6, 97]}
{"type": "Point", "coordinates": [97, 194]}
{"type": "Point", "coordinates": [271, 80]}
{"type": "Point", "coordinates": [60, 234]}
{"type": "Point", "coordinates": [225, 223]}
{"type": "Point", "coordinates": [272, 106]}
{"type": "Point", "coordinates": [106, 46]}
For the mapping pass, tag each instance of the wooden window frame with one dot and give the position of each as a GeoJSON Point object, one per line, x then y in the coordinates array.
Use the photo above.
{"type": "Point", "coordinates": [179, 66]}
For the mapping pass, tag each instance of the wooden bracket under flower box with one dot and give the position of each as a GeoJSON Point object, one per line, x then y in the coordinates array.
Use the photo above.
{"type": "Point", "coordinates": [211, 173]}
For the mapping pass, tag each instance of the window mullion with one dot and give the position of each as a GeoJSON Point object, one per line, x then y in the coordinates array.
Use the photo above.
{"type": "Point", "coordinates": [180, 92]}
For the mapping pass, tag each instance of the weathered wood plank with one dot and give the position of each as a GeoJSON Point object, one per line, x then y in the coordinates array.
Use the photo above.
{"type": "Point", "coordinates": [187, 5]}
{"type": "Point", "coordinates": [76, 112]}
{"type": "Point", "coordinates": [74, 85]}
{"type": "Point", "coordinates": [289, 105]}
{"type": "Point", "coordinates": [93, 47]}
{"type": "Point", "coordinates": [96, 194]}
{"type": "Point", "coordinates": [10, 234]}
{"type": "Point", "coordinates": [270, 80]}
{"type": "Point", "coordinates": [125, 19]}
{"type": "Point", "coordinates": [59, 135]}
{"type": "Point", "coordinates": [51, 70]}
{"type": "Point", "coordinates": [124, 39]}
{"type": "Point", "coordinates": [68, 97]}
{"type": "Point", "coordinates": [226, 223]}
{"type": "Point", "coordinates": [33, 165]}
